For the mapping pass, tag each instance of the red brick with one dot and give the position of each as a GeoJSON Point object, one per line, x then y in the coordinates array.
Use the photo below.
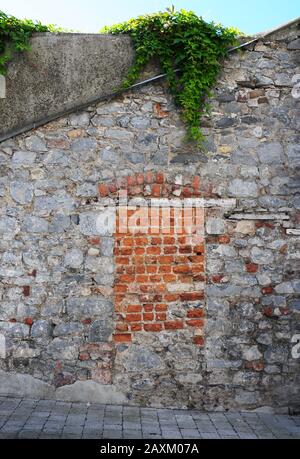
{"type": "Point", "coordinates": [156, 190]}
{"type": "Point", "coordinates": [140, 269]}
{"type": "Point", "coordinates": [171, 297]}
{"type": "Point", "coordinates": [141, 241]}
{"type": "Point", "coordinates": [133, 317]}
{"type": "Point", "coordinates": [195, 323]}
{"type": "Point", "coordinates": [199, 340]}
{"type": "Point", "coordinates": [251, 267]}
{"type": "Point", "coordinates": [170, 249]}
{"type": "Point", "coordinates": [193, 313]}
{"type": "Point", "coordinates": [256, 365]}
{"type": "Point", "coordinates": [165, 260]}
{"type": "Point", "coordinates": [84, 356]}
{"type": "Point", "coordinates": [268, 311]}
{"type": "Point", "coordinates": [165, 269]}
{"type": "Point", "coordinates": [199, 248]}
{"type": "Point", "coordinates": [181, 269]}
{"type": "Point", "coordinates": [126, 278]}
{"type": "Point", "coordinates": [128, 241]}
{"type": "Point", "coordinates": [192, 296]}
{"type": "Point", "coordinates": [142, 278]}
{"type": "Point", "coordinates": [267, 290]}
{"type": "Point", "coordinates": [187, 192]}
{"type": "Point", "coordinates": [121, 327]}
{"type": "Point", "coordinates": [161, 316]}
{"type": "Point", "coordinates": [169, 240]}
{"type": "Point", "coordinates": [149, 177]}
{"type": "Point", "coordinates": [151, 269]}
{"type": "Point", "coordinates": [186, 249]}
{"type": "Point", "coordinates": [139, 251]}
{"type": "Point", "coordinates": [149, 316]}
{"type": "Point", "coordinates": [224, 239]}
{"type": "Point", "coordinates": [28, 321]}
{"type": "Point", "coordinates": [112, 187]}
{"type": "Point", "coordinates": [155, 278]}
{"type": "Point", "coordinates": [140, 179]}
{"type": "Point", "coordinates": [120, 288]}
{"type": "Point", "coordinates": [103, 190]}
{"type": "Point", "coordinates": [160, 178]}
{"type": "Point", "coordinates": [122, 260]}
{"type": "Point", "coordinates": [131, 180]}
{"type": "Point", "coordinates": [135, 327]}
{"type": "Point", "coordinates": [161, 307]}
{"type": "Point", "coordinates": [153, 327]}
{"type": "Point", "coordinates": [86, 321]}
{"type": "Point", "coordinates": [122, 338]}
{"type": "Point", "coordinates": [26, 290]}
{"type": "Point", "coordinates": [156, 240]}
{"type": "Point", "coordinates": [173, 325]}
{"type": "Point", "coordinates": [135, 190]}
{"type": "Point", "coordinates": [196, 183]}
{"type": "Point", "coordinates": [217, 278]}
{"type": "Point", "coordinates": [169, 278]}
{"type": "Point", "coordinates": [134, 308]}
{"type": "Point", "coordinates": [153, 250]}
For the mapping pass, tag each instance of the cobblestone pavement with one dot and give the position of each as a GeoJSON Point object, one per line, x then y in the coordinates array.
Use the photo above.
{"type": "Point", "coordinates": [27, 418]}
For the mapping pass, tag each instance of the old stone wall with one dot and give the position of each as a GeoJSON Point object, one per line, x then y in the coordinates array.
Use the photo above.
{"type": "Point", "coordinates": [157, 318]}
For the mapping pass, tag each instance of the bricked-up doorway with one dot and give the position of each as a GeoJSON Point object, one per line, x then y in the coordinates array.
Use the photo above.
{"type": "Point", "coordinates": [159, 256]}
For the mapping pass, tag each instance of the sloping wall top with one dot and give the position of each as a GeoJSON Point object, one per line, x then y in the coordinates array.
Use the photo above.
{"type": "Point", "coordinates": [62, 71]}
{"type": "Point", "coordinates": [67, 71]}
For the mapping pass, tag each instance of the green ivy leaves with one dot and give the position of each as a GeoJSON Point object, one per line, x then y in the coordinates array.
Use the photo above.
{"type": "Point", "coordinates": [180, 40]}
{"type": "Point", "coordinates": [15, 35]}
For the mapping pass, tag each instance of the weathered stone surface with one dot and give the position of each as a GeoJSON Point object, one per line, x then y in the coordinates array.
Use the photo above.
{"type": "Point", "coordinates": [246, 227]}
{"type": "Point", "coordinates": [74, 258]}
{"type": "Point", "coordinates": [21, 192]}
{"type": "Point", "coordinates": [79, 119]}
{"type": "Point", "coordinates": [23, 385]}
{"type": "Point", "coordinates": [35, 143]}
{"type": "Point", "coordinates": [91, 391]}
{"type": "Point", "coordinates": [139, 359]}
{"type": "Point", "coordinates": [88, 306]}
{"type": "Point", "coordinates": [23, 158]}
{"type": "Point", "coordinates": [35, 225]}
{"type": "Point", "coordinates": [295, 44]}
{"type": "Point", "coordinates": [63, 350]}
{"type": "Point", "coordinates": [68, 328]}
{"type": "Point", "coordinates": [101, 330]}
{"type": "Point", "coordinates": [215, 226]}
{"type": "Point", "coordinates": [251, 353]}
{"type": "Point", "coordinates": [41, 328]}
{"type": "Point", "coordinates": [270, 153]}
{"type": "Point", "coordinates": [243, 189]}
{"type": "Point", "coordinates": [148, 319]}
{"type": "Point", "coordinates": [84, 145]}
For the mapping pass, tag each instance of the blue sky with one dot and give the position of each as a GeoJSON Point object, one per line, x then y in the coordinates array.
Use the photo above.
{"type": "Point", "coordinates": [90, 15]}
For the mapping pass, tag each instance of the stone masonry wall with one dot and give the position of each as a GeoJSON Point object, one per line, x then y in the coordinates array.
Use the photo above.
{"type": "Point", "coordinates": [89, 313]}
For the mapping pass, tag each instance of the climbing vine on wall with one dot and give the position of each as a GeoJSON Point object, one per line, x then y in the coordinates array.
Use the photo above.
{"type": "Point", "coordinates": [184, 41]}
{"type": "Point", "coordinates": [14, 36]}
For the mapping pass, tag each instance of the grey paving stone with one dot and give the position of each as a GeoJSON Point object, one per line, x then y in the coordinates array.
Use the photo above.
{"type": "Point", "coordinates": [134, 434]}
{"type": "Point", "coordinates": [190, 433]}
{"type": "Point", "coordinates": [112, 433]}
{"type": "Point", "coordinates": [210, 435]}
{"type": "Point", "coordinates": [171, 434]}
{"type": "Point", "coordinates": [21, 418]}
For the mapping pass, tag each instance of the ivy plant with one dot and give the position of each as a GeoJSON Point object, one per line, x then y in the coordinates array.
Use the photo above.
{"type": "Point", "coordinates": [14, 36]}
{"type": "Point", "coordinates": [185, 42]}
